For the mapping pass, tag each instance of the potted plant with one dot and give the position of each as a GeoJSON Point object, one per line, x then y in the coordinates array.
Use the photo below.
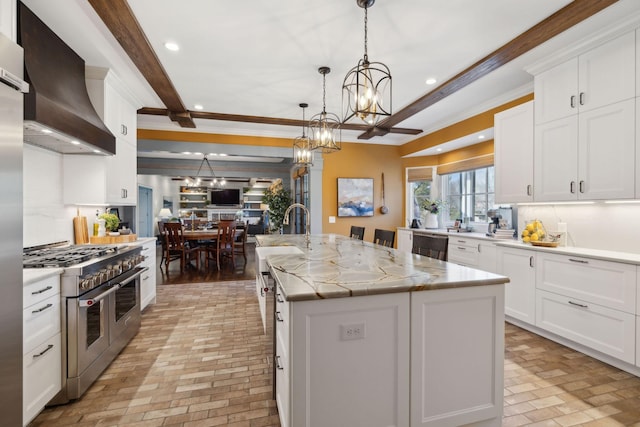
{"type": "Point", "coordinates": [111, 222]}
{"type": "Point", "coordinates": [278, 200]}
{"type": "Point", "coordinates": [432, 208]}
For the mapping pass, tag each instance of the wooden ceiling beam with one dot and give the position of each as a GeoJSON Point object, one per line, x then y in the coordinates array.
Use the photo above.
{"type": "Point", "coordinates": [268, 120]}
{"type": "Point", "coordinates": [565, 18]}
{"type": "Point", "coordinates": [120, 20]}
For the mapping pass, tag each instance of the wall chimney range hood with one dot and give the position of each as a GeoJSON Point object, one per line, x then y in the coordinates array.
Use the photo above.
{"type": "Point", "coordinates": [58, 114]}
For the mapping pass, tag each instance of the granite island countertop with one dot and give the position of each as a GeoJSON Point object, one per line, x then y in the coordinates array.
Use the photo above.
{"type": "Point", "coordinates": [335, 266]}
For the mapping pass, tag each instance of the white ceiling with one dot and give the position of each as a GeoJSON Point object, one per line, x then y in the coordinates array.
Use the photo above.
{"type": "Point", "coordinates": [261, 57]}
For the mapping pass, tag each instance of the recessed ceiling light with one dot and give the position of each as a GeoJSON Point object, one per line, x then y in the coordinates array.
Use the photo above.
{"type": "Point", "coordinates": [431, 81]}
{"type": "Point", "coordinates": [197, 154]}
{"type": "Point", "coordinates": [480, 136]}
{"type": "Point", "coordinates": [46, 130]}
{"type": "Point", "coordinates": [74, 142]}
{"type": "Point", "coordinates": [186, 152]}
{"type": "Point", "coordinates": [213, 154]}
{"type": "Point", "coordinates": [222, 155]}
{"type": "Point", "coordinates": [198, 107]}
{"type": "Point", "coordinates": [172, 46]}
{"type": "Point", "coordinates": [438, 149]}
{"type": "Point", "coordinates": [97, 151]}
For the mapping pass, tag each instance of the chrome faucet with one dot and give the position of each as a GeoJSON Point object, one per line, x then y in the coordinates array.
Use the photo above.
{"type": "Point", "coordinates": [307, 237]}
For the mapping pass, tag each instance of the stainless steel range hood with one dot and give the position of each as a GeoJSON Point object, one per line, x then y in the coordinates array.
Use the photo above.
{"type": "Point", "coordinates": [58, 114]}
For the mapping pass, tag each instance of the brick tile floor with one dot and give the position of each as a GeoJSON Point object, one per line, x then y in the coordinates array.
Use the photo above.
{"type": "Point", "coordinates": [199, 360]}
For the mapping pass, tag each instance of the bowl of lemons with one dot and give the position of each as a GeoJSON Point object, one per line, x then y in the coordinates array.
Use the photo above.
{"type": "Point", "coordinates": [535, 234]}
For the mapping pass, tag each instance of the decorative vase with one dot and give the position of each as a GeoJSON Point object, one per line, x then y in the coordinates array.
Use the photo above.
{"type": "Point", "coordinates": [432, 221]}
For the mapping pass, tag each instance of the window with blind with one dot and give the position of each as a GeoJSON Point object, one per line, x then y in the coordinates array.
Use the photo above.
{"type": "Point", "coordinates": [469, 194]}
{"type": "Point", "coordinates": [419, 182]}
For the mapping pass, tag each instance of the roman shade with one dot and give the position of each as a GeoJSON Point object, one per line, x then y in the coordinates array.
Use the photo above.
{"type": "Point", "coordinates": [420, 174]}
{"type": "Point", "coordinates": [466, 165]}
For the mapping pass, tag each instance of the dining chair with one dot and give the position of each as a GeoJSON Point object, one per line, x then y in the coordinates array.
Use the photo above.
{"type": "Point", "coordinates": [357, 232]}
{"type": "Point", "coordinates": [431, 246]}
{"type": "Point", "coordinates": [224, 246]}
{"type": "Point", "coordinates": [384, 237]}
{"type": "Point", "coordinates": [163, 240]}
{"type": "Point", "coordinates": [177, 247]}
{"type": "Point", "coordinates": [240, 240]}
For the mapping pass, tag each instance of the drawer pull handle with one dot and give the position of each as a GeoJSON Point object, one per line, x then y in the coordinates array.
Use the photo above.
{"type": "Point", "coordinates": [279, 298]}
{"type": "Point", "coordinates": [579, 305]}
{"type": "Point", "coordinates": [278, 364]}
{"type": "Point", "coordinates": [462, 242]}
{"type": "Point", "coordinates": [145, 278]}
{"type": "Point", "coordinates": [42, 290]}
{"type": "Point", "coordinates": [279, 317]}
{"type": "Point", "coordinates": [49, 347]}
{"type": "Point", "coordinates": [40, 310]}
{"type": "Point", "coordinates": [581, 261]}
{"type": "Point", "coordinates": [461, 248]}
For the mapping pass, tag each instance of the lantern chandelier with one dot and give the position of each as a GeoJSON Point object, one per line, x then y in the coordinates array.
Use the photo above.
{"type": "Point", "coordinates": [324, 127]}
{"type": "Point", "coordinates": [211, 179]}
{"type": "Point", "coordinates": [367, 87]}
{"type": "Point", "coordinates": [302, 154]}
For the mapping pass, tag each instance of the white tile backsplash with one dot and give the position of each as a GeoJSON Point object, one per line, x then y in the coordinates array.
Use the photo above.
{"type": "Point", "coordinates": [612, 227]}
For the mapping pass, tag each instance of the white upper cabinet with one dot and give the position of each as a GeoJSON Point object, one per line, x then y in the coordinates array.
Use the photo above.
{"type": "Point", "coordinates": [587, 157]}
{"type": "Point", "coordinates": [8, 19]}
{"type": "Point", "coordinates": [585, 143]}
{"type": "Point", "coordinates": [513, 146]}
{"type": "Point", "coordinates": [599, 77]}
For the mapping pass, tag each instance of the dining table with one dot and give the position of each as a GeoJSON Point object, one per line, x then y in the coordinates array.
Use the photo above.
{"type": "Point", "coordinates": [207, 234]}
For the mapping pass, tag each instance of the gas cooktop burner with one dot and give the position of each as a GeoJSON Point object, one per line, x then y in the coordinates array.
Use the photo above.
{"type": "Point", "coordinates": [64, 256]}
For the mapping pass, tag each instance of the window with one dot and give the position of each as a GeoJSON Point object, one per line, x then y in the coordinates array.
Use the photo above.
{"type": "Point", "coordinates": [419, 191]}
{"type": "Point", "coordinates": [469, 194]}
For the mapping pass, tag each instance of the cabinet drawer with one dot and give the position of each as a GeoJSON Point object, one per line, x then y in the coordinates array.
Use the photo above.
{"type": "Point", "coordinates": [40, 290]}
{"type": "Point", "coordinates": [42, 376]}
{"type": "Point", "coordinates": [463, 251]}
{"type": "Point", "coordinates": [609, 331]}
{"type": "Point", "coordinates": [609, 284]}
{"type": "Point", "coordinates": [40, 321]}
{"type": "Point", "coordinates": [282, 305]}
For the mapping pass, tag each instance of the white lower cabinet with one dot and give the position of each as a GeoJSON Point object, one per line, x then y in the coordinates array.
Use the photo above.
{"type": "Point", "coordinates": [405, 239]}
{"type": "Point", "coordinates": [462, 251]}
{"type": "Point", "coordinates": [148, 278]}
{"type": "Point", "coordinates": [41, 344]}
{"type": "Point", "coordinates": [449, 388]}
{"type": "Point", "coordinates": [638, 341]}
{"type": "Point", "coordinates": [520, 293]}
{"type": "Point", "coordinates": [609, 331]}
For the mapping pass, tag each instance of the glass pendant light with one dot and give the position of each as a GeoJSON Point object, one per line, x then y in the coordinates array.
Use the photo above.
{"type": "Point", "coordinates": [302, 154]}
{"type": "Point", "coordinates": [324, 127]}
{"type": "Point", "coordinates": [366, 89]}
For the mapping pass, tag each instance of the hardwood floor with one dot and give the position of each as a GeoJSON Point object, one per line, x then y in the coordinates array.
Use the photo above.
{"type": "Point", "coordinates": [200, 360]}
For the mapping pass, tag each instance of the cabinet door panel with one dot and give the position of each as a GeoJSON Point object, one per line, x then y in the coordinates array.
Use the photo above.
{"type": "Point", "coordinates": [519, 293]}
{"type": "Point", "coordinates": [514, 154]}
{"type": "Point", "coordinates": [609, 331]}
{"type": "Point", "coordinates": [555, 160]}
{"type": "Point", "coordinates": [405, 240]}
{"type": "Point", "coordinates": [607, 73]}
{"type": "Point", "coordinates": [556, 92]}
{"type": "Point", "coordinates": [606, 154]}
{"type": "Point", "coordinates": [42, 376]}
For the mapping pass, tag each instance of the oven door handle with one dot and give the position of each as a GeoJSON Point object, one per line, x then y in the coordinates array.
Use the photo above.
{"type": "Point", "coordinates": [133, 277]}
{"type": "Point", "coordinates": [92, 301]}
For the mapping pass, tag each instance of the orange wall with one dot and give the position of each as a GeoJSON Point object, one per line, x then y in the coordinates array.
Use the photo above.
{"type": "Point", "coordinates": [364, 161]}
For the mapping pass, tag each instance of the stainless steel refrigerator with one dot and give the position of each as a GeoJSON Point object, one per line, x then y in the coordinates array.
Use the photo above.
{"type": "Point", "coordinates": [11, 140]}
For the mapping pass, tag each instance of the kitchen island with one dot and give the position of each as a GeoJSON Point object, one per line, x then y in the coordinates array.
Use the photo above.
{"type": "Point", "coordinates": [370, 336]}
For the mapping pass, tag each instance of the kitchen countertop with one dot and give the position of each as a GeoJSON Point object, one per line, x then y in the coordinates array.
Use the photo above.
{"type": "Point", "coordinates": [336, 266]}
{"type": "Point", "coordinates": [604, 255]}
{"type": "Point", "coordinates": [31, 275]}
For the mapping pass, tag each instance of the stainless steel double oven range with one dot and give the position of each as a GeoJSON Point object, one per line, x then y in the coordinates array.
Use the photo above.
{"type": "Point", "coordinates": [100, 306]}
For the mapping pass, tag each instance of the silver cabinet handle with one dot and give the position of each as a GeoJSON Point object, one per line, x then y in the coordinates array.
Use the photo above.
{"type": "Point", "coordinates": [461, 241]}
{"type": "Point", "coordinates": [581, 97]}
{"type": "Point", "coordinates": [478, 247]}
{"type": "Point", "coordinates": [579, 305]}
{"type": "Point", "coordinates": [279, 317]}
{"type": "Point", "coordinates": [572, 187]}
{"type": "Point", "coordinates": [40, 310]}
{"type": "Point", "coordinates": [529, 190]}
{"type": "Point", "coordinates": [49, 347]}
{"type": "Point", "coordinates": [572, 101]}
{"type": "Point", "coordinates": [461, 248]}
{"type": "Point", "coordinates": [278, 364]}
{"type": "Point", "coordinates": [581, 186]}
{"type": "Point", "coordinates": [531, 261]}
{"type": "Point", "coordinates": [581, 261]}
{"type": "Point", "coordinates": [41, 290]}
{"type": "Point", "coordinates": [279, 298]}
